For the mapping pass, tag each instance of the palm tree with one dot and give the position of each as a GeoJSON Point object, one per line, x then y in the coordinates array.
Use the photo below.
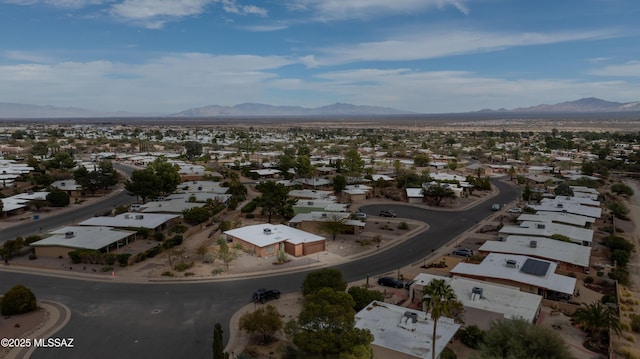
{"type": "Point", "coordinates": [595, 318]}
{"type": "Point", "coordinates": [512, 172]}
{"type": "Point", "coordinates": [440, 300]}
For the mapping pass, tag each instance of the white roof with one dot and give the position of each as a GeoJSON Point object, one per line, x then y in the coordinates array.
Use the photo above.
{"type": "Point", "coordinates": [557, 217]}
{"type": "Point", "coordinates": [548, 206]}
{"type": "Point", "coordinates": [202, 186]}
{"type": "Point", "coordinates": [170, 206]}
{"type": "Point", "coordinates": [66, 185]}
{"type": "Point", "coordinates": [547, 229]}
{"type": "Point", "coordinates": [146, 220]}
{"type": "Point", "coordinates": [12, 203]}
{"type": "Point", "coordinates": [313, 181]}
{"type": "Point", "coordinates": [83, 237]}
{"type": "Point", "coordinates": [572, 200]}
{"type": "Point", "coordinates": [394, 331]}
{"type": "Point", "coordinates": [494, 266]}
{"type": "Point", "coordinates": [312, 194]}
{"type": "Point", "coordinates": [266, 172]}
{"type": "Point", "coordinates": [546, 248]}
{"type": "Point", "coordinates": [262, 235]}
{"type": "Point", "coordinates": [319, 217]}
{"type": "Point", "coordinates": [33, 196]}
{"type": "Point", "coordinates": [383, 177]}
{"type": "Point", "coordinates": [414, 193]}
{"type": "Point", "coordinates": [508, 301]}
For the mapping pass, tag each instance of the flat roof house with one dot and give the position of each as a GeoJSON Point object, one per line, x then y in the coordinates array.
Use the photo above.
{"type": "Point", "coordinates": [484, 302]}
{"type": "Point", "coordinates": [581, 236]}
{"type": "Point", "coordinates": [570, 257]}
{"type": "Point", "coordinates": [403, 333]}
{"type": "Point", "coordinates": [67, 239]}
{"type": "Point", "coordinates": [152, 221]}
{"type": "Point", "coordinates": [529, 274]}
{"type": "Point", "coordinates": [265, 240]}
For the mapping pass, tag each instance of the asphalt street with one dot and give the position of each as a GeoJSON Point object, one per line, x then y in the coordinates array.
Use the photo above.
{"type": "Point", "coordinates": [172, 320]}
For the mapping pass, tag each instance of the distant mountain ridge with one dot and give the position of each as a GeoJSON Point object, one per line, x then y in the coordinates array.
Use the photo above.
{"type": "Point", "coordinates": [259, 109]}
{"type": "Point", "coordinates": [589, 104]}
{"type": "Point", "coordinates": [25, 111]}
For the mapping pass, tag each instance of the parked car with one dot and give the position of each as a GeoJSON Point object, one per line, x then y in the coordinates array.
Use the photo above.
{"type": "Point", "coordinates": [262, 295]}
{"type": "Point", "coordinates": [360, 215]}
{"type": "Point", "coordinates": [465, 252]}
{"type": "Point", "coordinates": [495, 207]}
{"type": "Point", "coordinates": [390, 282]}
{"type": "Point", "coordinates": [515, 210]}
{"type": "Point", "coordinates": [387, 214]}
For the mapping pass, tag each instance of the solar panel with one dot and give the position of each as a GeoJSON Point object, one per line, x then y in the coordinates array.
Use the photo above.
{"type": "Point", "coordinates": [535, 267]}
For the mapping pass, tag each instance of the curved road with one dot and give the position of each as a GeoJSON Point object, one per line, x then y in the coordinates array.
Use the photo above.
{"type": "Point", "coordinates": [170, 320]}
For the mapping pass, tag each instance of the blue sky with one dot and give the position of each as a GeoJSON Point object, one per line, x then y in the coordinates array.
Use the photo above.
{"type": "Point", "coordinates": [425, 56]}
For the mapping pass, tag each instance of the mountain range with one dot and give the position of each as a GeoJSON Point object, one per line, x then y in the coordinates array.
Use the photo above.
{"type": "Point", "coordinates": [584, 105]}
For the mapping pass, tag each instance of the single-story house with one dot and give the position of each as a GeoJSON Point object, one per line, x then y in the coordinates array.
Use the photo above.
{"type": "Point", "coordinates": [403, 333]}
{"type": "Point", "coordinates": [67, 239]}
{"type": "Point", "coordinates": [529, 274]}
{"type": "Point", "coordinates": [151, 221]}
{"type": "Point", "coordinates": [484, 302]}
{"type": "Point", "coordinates": [265, 240]}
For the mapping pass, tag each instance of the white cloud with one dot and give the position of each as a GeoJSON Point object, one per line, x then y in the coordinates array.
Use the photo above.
{"type": "Point", "coordinates": [148, 9]}
{"type": "Point", "coordinates": [265, 28]}
{"type": "Point", "coordinates": [166, 84]}
{"type": "Point", "coordinates": [76, 4]}
{"type": "Point", "coordinates": [351, 9]}
{"type": "Point", "coordinates": [24, 56]}
{"type": "Point", "coordinates": [631, 68]}
{"type": "Point", "coordinates": [441, 43]}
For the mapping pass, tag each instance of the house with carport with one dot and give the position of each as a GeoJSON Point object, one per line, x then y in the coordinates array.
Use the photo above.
{"type": "Point", "coordinates": [59, 242]}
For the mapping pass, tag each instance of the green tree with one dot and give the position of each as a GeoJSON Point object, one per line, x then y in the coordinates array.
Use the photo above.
{"type": "Point", "coordinates": [196, 215]}
{"type": "Point", "coordinates": [303, 167]}
{"type": "Point", "coordinates": [18, 300]}
{"type": "Point", "coordinates": [323, 278]}
{"type": "Point", "coordinates": [107, 176]}
{"type": "Point", "coordinates": [58, 198]}
{"type": "Point", "coordinates": [225, 254]}
{"type": "Point", "coordinates": [353, 163]}
{"type": "Point", "coordinates": [88, 181]}
{"type": "Point", "coordinates": [193, 149]}
{"type": "Point", "coordinates": [218, 344]}
{"type": "Point", "coordinates": [621, 189]}
{"type": "Point", "coordinates": [527, 193]}
{"type": "Point", "coordinates": [440, 300]}
{"type": "Point", "coordinates": [167, 174]}
{"type": "Point", "coordinates": [563, 189]}
{"type": "Point", "coordinates": [438, 192]}
{"type": "Point", "coordinates": [363, 296]}
{"type": "Point", "coordinates": [512, 173]}
{"type": "Point", "coordinates": [61, 160]}
{"type": "Point", "coordinates": [326, 325]}
{"type": "Point", "coordinates": [421, 160]}
{"type": "Point", "coordinates": [275, 199]}
{"type": "Point", "coordinates": [339, 183]}
{"type": "Point", "coordinates": [286, 160]}
{"type": "Point", "coordinates": [40, 149]}
{"type": "Point", "coordinates": [517, 338]}
{"type": "Point", "coordinates": [143, 183]}
{"type": "Point", "coordinates": [264, 321]}
{"type": "Point", "coordinates": [618, 209]}
{"type": "Point", "coordinates": [333, 225]}
{"type": "Point", "coordinates": [596, 318]}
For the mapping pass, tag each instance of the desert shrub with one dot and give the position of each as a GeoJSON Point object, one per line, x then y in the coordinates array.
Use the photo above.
{"type": "Point", "coordinates": [589, 280]}
{"type": "Point", "coordinates": [17, 300]}
{"type": "Point", "coordinates": [472, 336]}
{"type": "Point", "coordinates": [167, 274]}
{"type": "Point", "coordinates": [109, 258]}
{"type": "Point", "coordinates": [250, 216]}
{"type": "Point", "coordinates": [608, 298]}
{"type": "Point", "coordinates": [178, 228]}
{"type": "Point", "coordinates": [154, 251]}
{"type": "Point", "coordinates": [403, 225]}
{"type": "Point", "coordinates": [183, 266]}
{"type": "Point", "coordinates": [249, 207]}
{"type": "Point", "coordinates": [140, 257]}
{"type": "Point", "coordinates": [123, 259]}
{"type": "Point", "coordinates": [158, 236]}
{"type": "Point", "coordinates": [448, 353]}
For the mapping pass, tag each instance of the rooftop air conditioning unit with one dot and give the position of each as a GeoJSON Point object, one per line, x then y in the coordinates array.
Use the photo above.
{"type": "Point", "coordinates": [541, 226]}
{"type": "Point", "coordinates": [126, 216]}
{"type": "Point", "coordinates": [69, 234]}
{"type": "Point", "coordinates": [511, 263]}
{"type": "Point", "coordinates": [324, 215]}
{"type": "Point", "coordinates": [533, 244]}
{"type": "Point", "coordinates": [139, 216]}
{"type": "Point", "coordinates": [266, 231]}
{"type": "Point", "coordinates": [559, 205]}
{"type": "Point", "coordinates": [412, 316]}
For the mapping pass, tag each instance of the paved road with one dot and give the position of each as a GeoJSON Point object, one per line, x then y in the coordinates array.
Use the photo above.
{"type": "Point", "coordinates": [112, 319]}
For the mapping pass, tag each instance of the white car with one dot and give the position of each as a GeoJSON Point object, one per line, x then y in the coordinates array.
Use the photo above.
{"type": "Point", "coordinates": [515, 210]}
{"type": "Point", "coordinates": [360, 215]}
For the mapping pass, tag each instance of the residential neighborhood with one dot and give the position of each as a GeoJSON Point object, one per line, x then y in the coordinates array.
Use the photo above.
{"type": "Point", "coordinates": [209, 203]}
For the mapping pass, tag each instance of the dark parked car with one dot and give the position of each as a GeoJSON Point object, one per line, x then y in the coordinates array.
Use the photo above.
{"type": "Point", "coordinates": [262, 295]}
{"type": "Point", "coordinates": [387, 214]}
{"type": "Point", "coordinates": [465, 252]}
{"type": "Point", "coordinates": [408, 284]}
{"type": "Point", "coordinates": [390, 282]}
